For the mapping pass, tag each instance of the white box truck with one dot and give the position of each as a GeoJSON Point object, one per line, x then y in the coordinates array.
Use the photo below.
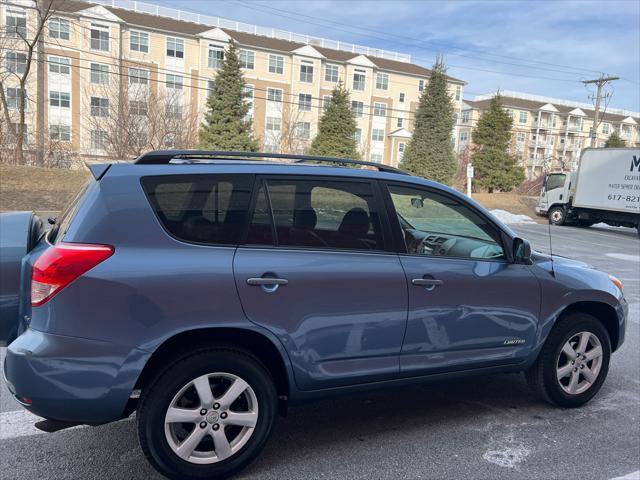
{"type": "Point", "coordinates": [606, 188]}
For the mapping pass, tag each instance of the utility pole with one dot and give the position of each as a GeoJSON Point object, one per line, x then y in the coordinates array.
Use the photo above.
{"type": "Point", "coordinates": [600, 82]}
{"type": "Point", "coordinates": [41, 98]}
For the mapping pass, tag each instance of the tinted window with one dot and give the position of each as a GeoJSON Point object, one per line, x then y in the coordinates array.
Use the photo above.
{"type": "Point", "coordinates": [435, 224]}
{"type": "Point", "coordinates": [320, 214]}
{"type": "Point", "coordinates": [201, 208]}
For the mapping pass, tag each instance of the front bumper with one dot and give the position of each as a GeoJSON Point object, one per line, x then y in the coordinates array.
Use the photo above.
{"type": "Point", "coordinates": [72, 379]}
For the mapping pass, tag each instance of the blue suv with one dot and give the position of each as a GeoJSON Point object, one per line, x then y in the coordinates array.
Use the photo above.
{"type": "Point", "coordinates": [207, 290]}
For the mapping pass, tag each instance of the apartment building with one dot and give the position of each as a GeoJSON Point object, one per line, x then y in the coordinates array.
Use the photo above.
{"type": "Point", "coordinates": [549, 133]}
{"type": "Point", "coordinates": [121, 75]}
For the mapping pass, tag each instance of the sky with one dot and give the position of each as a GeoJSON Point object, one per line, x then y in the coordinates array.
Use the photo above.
{"type": "Point", "coordinates": [542, 47]}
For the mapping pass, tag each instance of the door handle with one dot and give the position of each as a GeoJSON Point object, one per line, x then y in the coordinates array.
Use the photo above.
{"type": "Point", "coordinates": [266, 281]}
{"type": "Point", "coordinates": [426, 282]}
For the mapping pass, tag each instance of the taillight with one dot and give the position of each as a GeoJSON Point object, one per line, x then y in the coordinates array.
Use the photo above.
{"type": "Point", "coordinates": [60, 265]}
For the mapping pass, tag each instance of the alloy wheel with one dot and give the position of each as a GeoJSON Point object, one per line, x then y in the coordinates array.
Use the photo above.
{"type": "Point", "coordinates": [579, 363]}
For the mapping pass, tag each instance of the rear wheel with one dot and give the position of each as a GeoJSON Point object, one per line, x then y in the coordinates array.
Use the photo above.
{"type": "Point", "coordinates": [208, 415]}
{"type": "Point", "coordinates": [573, 363]}
{"type": "Point", "coordinates": [557, 215]}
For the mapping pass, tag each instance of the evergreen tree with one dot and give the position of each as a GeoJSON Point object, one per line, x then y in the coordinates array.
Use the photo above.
{"type": "Point", "coordinates": [430, 150]}
{"type": "Point", "coordinates": [225, 126]}
{"type": "Point", "coordinates": [337, 128]}
{"type": "Point", "coordinates": [494, 167]}
{"type": "Point", "coordinates": [615, 141]}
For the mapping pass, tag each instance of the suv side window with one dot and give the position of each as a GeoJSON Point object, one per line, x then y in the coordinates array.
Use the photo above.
{"type": "Point", "coordinates": [438, 225]}
{"type": "Point", "coordinates": [319, 214]}
{"type": "Point", "coordinates": [201, 208]}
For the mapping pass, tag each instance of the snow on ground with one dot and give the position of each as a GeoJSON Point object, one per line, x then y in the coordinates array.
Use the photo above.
{"type": "Point", "coordinates": [508, 217]}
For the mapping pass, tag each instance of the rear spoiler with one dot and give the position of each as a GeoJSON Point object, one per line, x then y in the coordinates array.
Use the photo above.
{"type": "Point", "coordinates": [98, 169]}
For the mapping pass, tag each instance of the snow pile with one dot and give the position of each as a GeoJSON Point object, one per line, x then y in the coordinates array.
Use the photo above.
{"type": "Point", "coordinates": [508, 217]}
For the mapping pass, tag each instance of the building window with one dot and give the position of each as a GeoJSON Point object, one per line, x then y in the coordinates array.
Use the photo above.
{"type": "Point", "coordinates": [13, 95]}
{"type": "Point", "coordinates": [248, 97]}
{"type": "Point", "coordinates": [382, 81]}
{"type": "Point", "coordinates": [401, 98]}
{"type": "Point", "coordinates": [400, 122]}
{"type": "Point", "coordinates": [358, 136]}
{"type": "Point", "coordinates": [16, 62]}
{"type": "Point", "coordinates": [175, 48]}
{"type": "Point", "coordinates": [458, 92]}
{"type": "Point", "coordinates": [465, 116]}
{"type": "Point", "coordinates": [464, 136]}
{"type": "Point", "coordinates": [138, 107]}
{"type": "Point", "coordinates": [331, 73]}
{"type": "Point", "coordinates": [99, 38]}
{"type": "Point", "coordinates": [16, 23]}
{"type": "Point", "coordinates": [401, 147]}
{"type": "Point", "coordinates": [421, 84]}
{"type": "Point", "coordinates": [139, 42]}
{"type": "Point", "coordinates": [274, 94]}
{"type": "Point", "coordinates": [59, 65]}
{"type": "Point", "coordinates": [247, 59]}
{"type": "Point", "coordinates": [276, 64]}
{"type": "Point", "coordinates": [99, 74]}
{"type": "Point", "coordinates": [59, 99]}
{"type": "Point", "coordinates": [377, 134]}
{"type": "Point", "coordinates": [211, 86]}
{"type": "Point", "coordinates": [520, 137]}
{"type": "Point", "coordinates": [99, 139]}
{"type": "Point", "coordinates": [138, 76]}
{"type": "Point", "coordinates": [303, 130]}
{"type": "Point", "coordinates": [174, 82]}
{"type": "Point", "coordinates": [359, 79]}
{"type": "Point", "coordinates": [59, 28]}
{"type": "Point", "coordinates": [306, 71]}
{"type": "Point", "coordinates": [523, 117]}
{"type": "Point", "coordinates": [304, 102]}
{"type": "Point", "coordinates": [99, 107]}
{"type": "Point", "coordinates": [326, 99]}
{"type": "Point", "coordinates": [173, 110]}
{"type": "Point", "coordinates": [60, 133]}
{"type": "Point", "coordinates": [605, 128]}
{"type": "Point", "coordinates": [376, 157]}
{"type": "Point", "coordinates": [273, 124]}
{"type": "Point", "coordinates": [358, 108]}
{"type": "Point", "coordinates": [380, 109]}
{"type": "Point", "coordinates": [25, 131]}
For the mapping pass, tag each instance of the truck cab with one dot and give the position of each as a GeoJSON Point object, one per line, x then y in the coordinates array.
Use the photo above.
{"type": "Point", "coordinates": [555, 194]}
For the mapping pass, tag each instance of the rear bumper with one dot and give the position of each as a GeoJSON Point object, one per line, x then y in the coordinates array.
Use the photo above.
{"type": "Point", "coordinates": [72, 379]}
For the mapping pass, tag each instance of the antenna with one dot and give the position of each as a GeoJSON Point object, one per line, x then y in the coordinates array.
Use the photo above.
{"type": "Point", "coordinates": [553, 271]}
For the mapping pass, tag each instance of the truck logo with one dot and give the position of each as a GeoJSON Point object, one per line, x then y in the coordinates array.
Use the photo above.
{"type": "Point", "coordinates": [635, 162]}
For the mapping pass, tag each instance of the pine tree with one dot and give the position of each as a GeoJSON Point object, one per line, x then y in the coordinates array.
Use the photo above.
{"type": "Point", "coordinates": [615, 141]}
{"type": "Point", "coordinates": [430, 151]}
{"type": "Point", "coordinates": [337, 128]}
{"type": "Point", "coordinates": [225, 126]}
{"type": "Point", "coordinates": [495, 168]}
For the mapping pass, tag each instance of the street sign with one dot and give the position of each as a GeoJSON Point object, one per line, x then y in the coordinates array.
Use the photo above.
{"type": "Point", "coordinates": [469, 171]}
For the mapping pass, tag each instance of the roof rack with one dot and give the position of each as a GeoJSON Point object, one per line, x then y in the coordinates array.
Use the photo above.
{"type": "Point", "coordinates": [163, 157]}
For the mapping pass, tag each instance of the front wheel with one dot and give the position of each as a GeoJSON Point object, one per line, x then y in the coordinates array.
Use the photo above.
{"type": "Point", "coordinates": [557, 215]}
{"type": "Point", "coordinates": [208, 415]}
{"type": "Point", "coordinates": [573, 363]}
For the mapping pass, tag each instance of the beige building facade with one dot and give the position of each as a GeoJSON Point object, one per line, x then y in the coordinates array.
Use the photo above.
{"type": "Point", "coordinates": [548, 133]}
{"type": "Point", "coordinates": [123, 77]}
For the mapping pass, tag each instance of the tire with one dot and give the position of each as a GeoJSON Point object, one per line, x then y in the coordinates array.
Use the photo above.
{"type": "Point", "coordinates": [557, 215]}
{"type": "Point", "coordinates": [543, 374]}
{"type": "Point", "coordinates": [218, 368]}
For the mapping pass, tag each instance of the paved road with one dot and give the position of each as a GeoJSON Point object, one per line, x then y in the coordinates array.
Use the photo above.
{"type": "Point", "coordinates": [478, 428]}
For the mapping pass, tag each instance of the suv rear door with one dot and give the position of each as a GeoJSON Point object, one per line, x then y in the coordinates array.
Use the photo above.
{"type": "Point", "coordinates": [314, 271]}
{"type": "Point", "coordinates": [469, 306]}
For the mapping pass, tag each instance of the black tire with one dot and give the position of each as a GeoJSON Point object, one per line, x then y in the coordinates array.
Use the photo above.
{"type": "Point", "coordinates": [156, 400]}
{"type": "Point", "coordinates": [542, 376]}
{"type": "Point", "coordinates": [557, 215]}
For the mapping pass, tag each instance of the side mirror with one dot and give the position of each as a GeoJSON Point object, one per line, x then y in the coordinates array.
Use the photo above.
{"type": "Point", "coordinates": [521, 250]}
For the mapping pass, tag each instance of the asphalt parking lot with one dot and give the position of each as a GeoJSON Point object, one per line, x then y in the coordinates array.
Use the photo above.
{"type": "Point", "coordinates": [476, 428]}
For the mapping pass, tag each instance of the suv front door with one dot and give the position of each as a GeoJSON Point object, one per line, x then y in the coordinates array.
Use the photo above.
{"type": "Point", "coordinates": [315, 272]}
{"type": "Point", "coordinates": [468, 306]}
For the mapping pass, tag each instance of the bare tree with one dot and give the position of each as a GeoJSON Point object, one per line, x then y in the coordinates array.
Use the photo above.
{"type": "Point", "coordinates": [294, 134]}
{"type": "Point", "coordinates": [21, 39]}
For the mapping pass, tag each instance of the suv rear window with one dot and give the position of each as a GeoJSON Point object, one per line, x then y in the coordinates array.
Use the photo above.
{"type": "Point", "coordinates": [201, 208]}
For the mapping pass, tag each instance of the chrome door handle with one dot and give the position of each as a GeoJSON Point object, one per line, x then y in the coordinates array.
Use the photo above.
{"type": "Point", "coordinates": [267, 281]}
{"type": "Point", "coordinates": [426, 282]}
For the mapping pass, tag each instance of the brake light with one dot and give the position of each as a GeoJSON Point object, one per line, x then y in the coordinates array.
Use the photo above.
{"type": "Point", "coordinates": [62, 264]}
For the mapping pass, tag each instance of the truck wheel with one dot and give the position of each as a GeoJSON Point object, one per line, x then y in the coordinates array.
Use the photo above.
{"type": "Point", "coordinates": [573, 362]}
{"type": "Point", "coordinates": [557, 215]}
{"type": "Point", "coordinates": [208, 415]}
